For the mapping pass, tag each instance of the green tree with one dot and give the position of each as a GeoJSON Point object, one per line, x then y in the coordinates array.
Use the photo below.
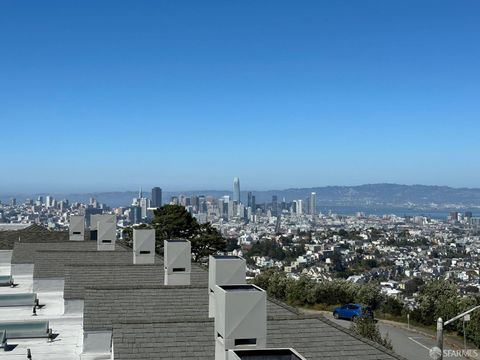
{"type": "Point", "coordinates": [298, 292]}
{"type": "Point", "coordinates": [175, 222]}
{"type": "Point", "coordinates": [232, 244]}
{"type": "Point", "coordinates": [366, 327]}
{"type": "Point", "coordinates": [472, 328]}
{"type": "Point", "coordinates": [370, 295]}
{"type": "Point", "coordinates": [207, 241]}
{"type": "Point", "coordinates": [274, 282]}
{"type": "Point", "coordinates": [392, 306]}
{"type": "Point", "coordinates": [412, 286]}
{"type": "Point", "coordinates": [436, 299]}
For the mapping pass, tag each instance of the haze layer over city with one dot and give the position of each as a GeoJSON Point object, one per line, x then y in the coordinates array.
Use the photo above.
{"type": "Point", "coordinates": [225, 180]}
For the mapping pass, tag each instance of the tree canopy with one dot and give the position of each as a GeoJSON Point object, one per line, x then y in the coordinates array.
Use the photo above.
{"type": "Point", "coordinates": [175, 222]}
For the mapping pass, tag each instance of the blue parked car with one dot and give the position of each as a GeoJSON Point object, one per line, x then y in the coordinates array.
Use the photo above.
{"type": "Point", "coordinates": [352, 311]}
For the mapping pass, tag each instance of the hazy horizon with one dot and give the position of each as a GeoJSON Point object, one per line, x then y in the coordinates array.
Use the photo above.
{"type": "Point", "coordinates": [147, 189]}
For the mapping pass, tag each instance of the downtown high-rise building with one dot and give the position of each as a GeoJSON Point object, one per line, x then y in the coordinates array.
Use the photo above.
{"type": "Point", "coordinates": [274, 205]}
{"type": "Point", "coordinates": [312, 206]}
{"type": "Point", "coordinates": [236, 190]}
{"type": "Point", "coordinates": [156, 201]}
{"type": "Point", "coordinates": [299, 207]}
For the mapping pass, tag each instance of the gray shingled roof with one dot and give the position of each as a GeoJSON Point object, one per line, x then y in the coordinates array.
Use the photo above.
{"type": "Point", "coordinates": [51, 263]}
{"type": "Point", "coordinates": [166, 322]}
{"type": "Point", "coordinates": [32, 234]}
{"type": "Point", "coordinates": [79, 277]}
{"type": "Point", "coordinates": [24, 253]}
{"type": "Point", "coordinates": [107, 305]}
{"type": "Point", "coordinates": [315, 338]}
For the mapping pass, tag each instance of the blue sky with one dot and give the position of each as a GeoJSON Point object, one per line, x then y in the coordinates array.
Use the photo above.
{"type": "Point", "coordinates": [110, 95]}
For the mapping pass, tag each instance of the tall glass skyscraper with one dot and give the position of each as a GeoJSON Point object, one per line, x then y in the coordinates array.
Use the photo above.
{"type": "Point", "coordinates": [236, 190]}
{"type": "Point", "coordinates": [274, 205]}
{"type": "Point", "coordinates": [313, 204]}
{"type": "Point", "coordinates": [156, 197]}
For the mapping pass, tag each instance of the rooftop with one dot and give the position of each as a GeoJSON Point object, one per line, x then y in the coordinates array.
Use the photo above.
{"type": "Point", "coordinates": [314, 338]}
{"type": "Point", "coordinates": [147, 319]}
{"type": "Point", "coordinates": [32, 234]}
{"type": "Point", "coordinates": [78, 277]}
{"type": "Point", "coordinates": [51, 263]}
{"type": "Point", "coordinates": [106, 304]}
{"type": "Point", "coordinates": [25, 253]}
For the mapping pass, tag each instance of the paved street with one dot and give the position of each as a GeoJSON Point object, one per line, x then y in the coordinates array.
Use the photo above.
{"type": "Point", "coordinates": [409, 344]}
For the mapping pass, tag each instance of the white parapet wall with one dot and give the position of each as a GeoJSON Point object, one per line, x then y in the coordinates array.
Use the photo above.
{"type": "Point", "coordinates": [76, 228]}
{"type": "Point", "coordinates": [22, 270]}
{"type": "Point", "coordinates": [177, 262]}
{"type": "Point", "coordinates": [73, 307]}
{"type": "Point", "coordinates": [5, 257]}
{"type": "Point", "coordinates": [224, 270]}
{"type": "Point", "coordinates": [97, 342]}
{"type": "Point", "coordinates": [48, 285]}
{"type": "Point", "coordinates": [240, 319]}
{"type": "Point", "coordinates": [143, 246]}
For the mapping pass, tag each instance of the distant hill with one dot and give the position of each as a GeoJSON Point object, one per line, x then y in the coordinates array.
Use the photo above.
{"type": "Point", "coordinates": [374, 195]}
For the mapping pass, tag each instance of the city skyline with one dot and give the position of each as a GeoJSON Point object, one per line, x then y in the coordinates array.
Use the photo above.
{"type": "Point", "coordinates": [369, 92]}
{"type": "Point", "coordinates": [185, 179]}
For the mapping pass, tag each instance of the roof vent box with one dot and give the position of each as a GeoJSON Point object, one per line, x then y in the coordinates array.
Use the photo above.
{"type": "Point", "coordinates": [265, 354]}
{"type": "Point", "coordinates": [96, 218]}
{"type": "Point", "coordinates": [240, 318]}
{"type": "Point", "coordinates": [76, 228]}
{"type": "Point", "coordinates": [107, 234]}
{"type": "Point", "coordinates": [177, 262]}
{"type": "Point", "coordinates": [224, 270]}
{"type": "Point", "coordinates": [143, 246]}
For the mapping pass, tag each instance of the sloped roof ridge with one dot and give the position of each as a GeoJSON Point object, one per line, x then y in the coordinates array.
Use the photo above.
{"type": "Point", "coordinates": [34, 228]}
{"type": "Point", "coordinates": [111, 265]}
{"type": "Point", "coordinates": [166, 320]}
{"type": "Point", "coordinates": [144, 287]}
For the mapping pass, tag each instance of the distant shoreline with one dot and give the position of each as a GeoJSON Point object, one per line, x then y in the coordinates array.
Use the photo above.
{"type": "Point", "coordinates": [401, 212]}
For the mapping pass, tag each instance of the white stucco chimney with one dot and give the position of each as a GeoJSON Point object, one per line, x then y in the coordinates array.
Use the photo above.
{"type": "Point", "coordinates": [224, 270]}
{"type": "Point", "coordinates": [240, 319]}
{"type": "Point", "coordinates": [177, 262]}
{"type": "Point", "coordinates": [76, 229]}
{"type": "Point", "coordinates": [94, 219]}
{"type": "Point", "coordinates": [143, 246]}
{"type": "Point", "coordinates": [106, 233]}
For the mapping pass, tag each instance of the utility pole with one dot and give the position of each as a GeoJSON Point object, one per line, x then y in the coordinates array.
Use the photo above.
{"type": "Point", "coordinates": [465, 319]}
{"type": "Point", "coordinates": [440, 337]}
